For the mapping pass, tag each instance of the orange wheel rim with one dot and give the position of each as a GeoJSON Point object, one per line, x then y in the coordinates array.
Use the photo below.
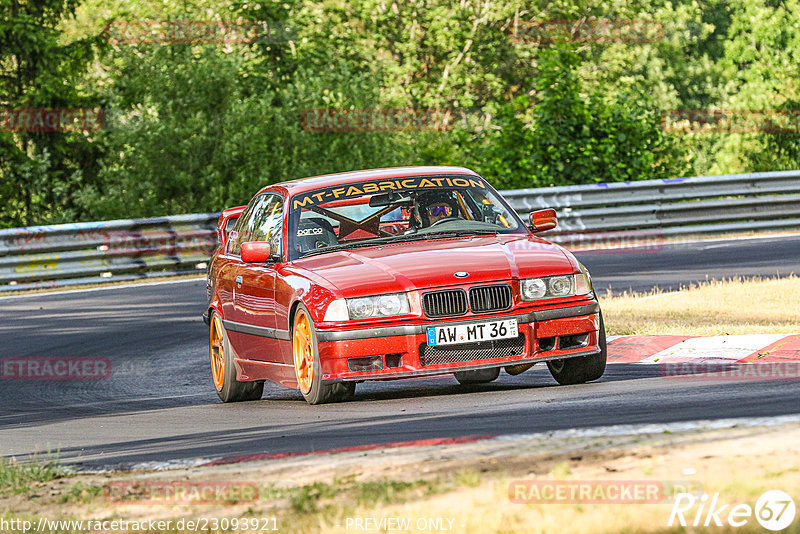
{"type": "Point", "coordinates": [217, 348]}
{"type": "Point", "coordinates": [303, 351]}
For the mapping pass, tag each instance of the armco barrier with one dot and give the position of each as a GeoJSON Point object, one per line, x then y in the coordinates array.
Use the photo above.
{"type": "Point", "coordinates": [67, 254]}
{"type": "Point", "coordinates": [624, 213]}
{"type": "Point", "coordinates": [768, 201]}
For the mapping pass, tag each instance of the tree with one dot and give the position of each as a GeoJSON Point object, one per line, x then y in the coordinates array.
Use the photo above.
{"type": "Point", "coordinates": [563, 136]}
{"type": "Point", "coordinates": [42, 171]}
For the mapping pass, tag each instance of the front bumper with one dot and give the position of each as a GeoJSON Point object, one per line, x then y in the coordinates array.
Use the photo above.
{"type": "Point", "coordinates": [401, 351]}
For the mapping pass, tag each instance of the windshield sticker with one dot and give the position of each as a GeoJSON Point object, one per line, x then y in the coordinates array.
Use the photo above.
{"type": "Point", "coordinates": [328, 194]}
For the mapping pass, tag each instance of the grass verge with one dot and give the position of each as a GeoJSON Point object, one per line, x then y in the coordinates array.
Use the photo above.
{"type": "Point", "coordinates": [17, 478]}
{"type": "Point", "coordinates": [735, 306]}
{"type": "Point", "coordinates": [738, 464]}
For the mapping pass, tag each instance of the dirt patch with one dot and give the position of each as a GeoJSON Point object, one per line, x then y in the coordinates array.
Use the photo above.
{"type": "Point", "coordinates": [466, 483]}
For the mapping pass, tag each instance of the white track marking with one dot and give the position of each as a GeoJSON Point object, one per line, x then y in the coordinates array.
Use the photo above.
{"type": "Point", "coordinates": [676, 242]}
{"type": "Point", "coordinates": [730, 348]}
{"type": "Point", "coordinates": [648, 428]}
{"type": "Point", "coordinates": [133, 283]}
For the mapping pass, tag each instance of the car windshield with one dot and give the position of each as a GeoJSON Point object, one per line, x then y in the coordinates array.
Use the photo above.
{"type": "Point", "coordinates": [384, 211]}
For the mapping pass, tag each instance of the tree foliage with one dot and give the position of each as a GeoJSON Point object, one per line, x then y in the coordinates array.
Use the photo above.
{"type": "Point", "coordinates": [42, 171]}
{"type": "Point", "coordinates": [200, 127]}
{"type": "Point", "coordinates": [577, 138]}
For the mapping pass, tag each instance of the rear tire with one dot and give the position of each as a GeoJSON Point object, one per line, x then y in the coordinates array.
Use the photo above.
{"type": "Point", "coordinates": [223, 371]}
{"type": "Point", "coordinates": [478, 376]}
{"type": "Point", "coordinates": [307, 365]}
{"type": "Point", "coordinates": [579, 370]}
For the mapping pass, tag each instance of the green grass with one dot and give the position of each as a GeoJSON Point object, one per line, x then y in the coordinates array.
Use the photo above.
{"type": "Point", "coordinates": [390, 491]}
{"type": "Point", "coordinates": [313, 497]}
{"type": "Point", "coordinates": [17, 478]}
{"type": "Point", "coordinates": [306, 498]}
{"type": "Point", "coordinates": [81, 493]}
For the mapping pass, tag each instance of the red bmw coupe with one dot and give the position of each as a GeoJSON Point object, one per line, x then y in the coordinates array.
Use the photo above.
{"type": "Point", "coordinates": [321, 283]}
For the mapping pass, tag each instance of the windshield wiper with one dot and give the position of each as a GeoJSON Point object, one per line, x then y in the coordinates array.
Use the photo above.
{"type": "Point", "coordinates": [345, 246]}
{"type": "Point", "coordinates": [456, 233]}
{"type": "Point", "coordinates": [397, 239]}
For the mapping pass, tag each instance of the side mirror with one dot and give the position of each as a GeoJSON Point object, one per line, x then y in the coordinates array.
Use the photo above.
{"type": "Point", "coordinates": [543, 220]}
{"type": "Point", "coordinates": [256, 252]}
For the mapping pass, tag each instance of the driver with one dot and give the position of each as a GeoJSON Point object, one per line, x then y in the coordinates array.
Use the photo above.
{"type": "Point", "coordinates": [433, 206]}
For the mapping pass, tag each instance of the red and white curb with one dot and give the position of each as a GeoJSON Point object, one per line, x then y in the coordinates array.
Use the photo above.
{"type": "Point", "coordinates": [751, 348]}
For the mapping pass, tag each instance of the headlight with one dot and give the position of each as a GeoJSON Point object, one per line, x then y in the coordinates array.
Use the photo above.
{"type": "Point", "coordinates": [550, 287]}
{"type": "Point", "coordinates": [337, 311]}
{"type": "Point", "coordinates": [560, 286]}
{"type": "Point", "coordinates": [367, 307]}
{"type": "Point", "coordinates": [583, 281]}
{"type": "Point", "coordinates": [534, 289]}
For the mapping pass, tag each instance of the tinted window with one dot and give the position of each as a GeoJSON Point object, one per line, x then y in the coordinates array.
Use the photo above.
{"type": "Point", "coordinates": [385, 211]}
{"type": "Point", "coordinates": [261, 221]}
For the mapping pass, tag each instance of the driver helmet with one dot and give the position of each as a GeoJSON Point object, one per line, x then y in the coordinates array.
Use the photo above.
{"type": "Point", "coordinates": [430, 203]}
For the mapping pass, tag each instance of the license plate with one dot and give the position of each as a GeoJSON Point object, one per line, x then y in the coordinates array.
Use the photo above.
{"type": "Point", "coordinates": [472, 333]}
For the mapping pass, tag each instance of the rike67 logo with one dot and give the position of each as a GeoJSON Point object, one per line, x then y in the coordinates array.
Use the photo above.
{"type": "Point", "coordinates": [774, 510]}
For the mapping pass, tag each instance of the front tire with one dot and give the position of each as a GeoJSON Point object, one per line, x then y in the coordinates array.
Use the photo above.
{"type": "Point", "coordinates": [579, 370]}
{"type": "Point", "coordinates": [223, 371]}
{"type": "Point", "coordinates": [307, 365]}
{"type": "Point", "coordinates": [478, 376]}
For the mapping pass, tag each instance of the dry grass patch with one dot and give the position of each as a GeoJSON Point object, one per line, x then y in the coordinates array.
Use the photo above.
{"type": "Point", "coordinates": [459, 495]}
{"type": "Point", "coordinates": [740, 470]}
{"type": "Point", "coordinates": [736, 306]}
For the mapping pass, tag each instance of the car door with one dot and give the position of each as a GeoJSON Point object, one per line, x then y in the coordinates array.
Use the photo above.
{"type": "Point", "coordinates": [227, 279]}
{"type": "Point", "coordinates": [254, 295]}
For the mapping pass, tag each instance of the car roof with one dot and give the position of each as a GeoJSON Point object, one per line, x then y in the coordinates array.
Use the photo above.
{"type": "Point", "coordinates": [294, 187]}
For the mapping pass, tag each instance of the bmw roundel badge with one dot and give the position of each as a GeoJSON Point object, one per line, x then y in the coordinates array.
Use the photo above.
{"type": "Point", "coordinates": [461, 274]}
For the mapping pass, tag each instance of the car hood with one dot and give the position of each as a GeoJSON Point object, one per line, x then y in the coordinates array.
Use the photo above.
{"type": "Point", "coordinates": [433, 263]}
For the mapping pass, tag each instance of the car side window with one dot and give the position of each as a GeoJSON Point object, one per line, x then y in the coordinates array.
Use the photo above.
{"type": "Point", "coordinates": [269, 223]}
{"type": "Point", "coordinates": [239, 233]}
{"type": "Point", "coordinates": [261, 221]}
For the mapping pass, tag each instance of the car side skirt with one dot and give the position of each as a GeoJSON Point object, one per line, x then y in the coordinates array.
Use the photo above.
{"type": "Point", "coordinates": [262, 331]}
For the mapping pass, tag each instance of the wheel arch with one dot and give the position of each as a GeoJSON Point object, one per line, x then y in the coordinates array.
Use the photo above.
{"type": "Point", "coordinates": [293, 311]}
{"type": "Point", "coordinates": [207, 316]}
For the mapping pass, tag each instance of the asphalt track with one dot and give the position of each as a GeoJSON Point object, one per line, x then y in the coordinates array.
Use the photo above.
{"type": "Point", "coordinates": [159, 405]}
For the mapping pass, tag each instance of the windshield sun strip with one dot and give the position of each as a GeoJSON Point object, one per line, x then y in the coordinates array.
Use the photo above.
{"type": "Point", "coordinates": [397, 239]}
